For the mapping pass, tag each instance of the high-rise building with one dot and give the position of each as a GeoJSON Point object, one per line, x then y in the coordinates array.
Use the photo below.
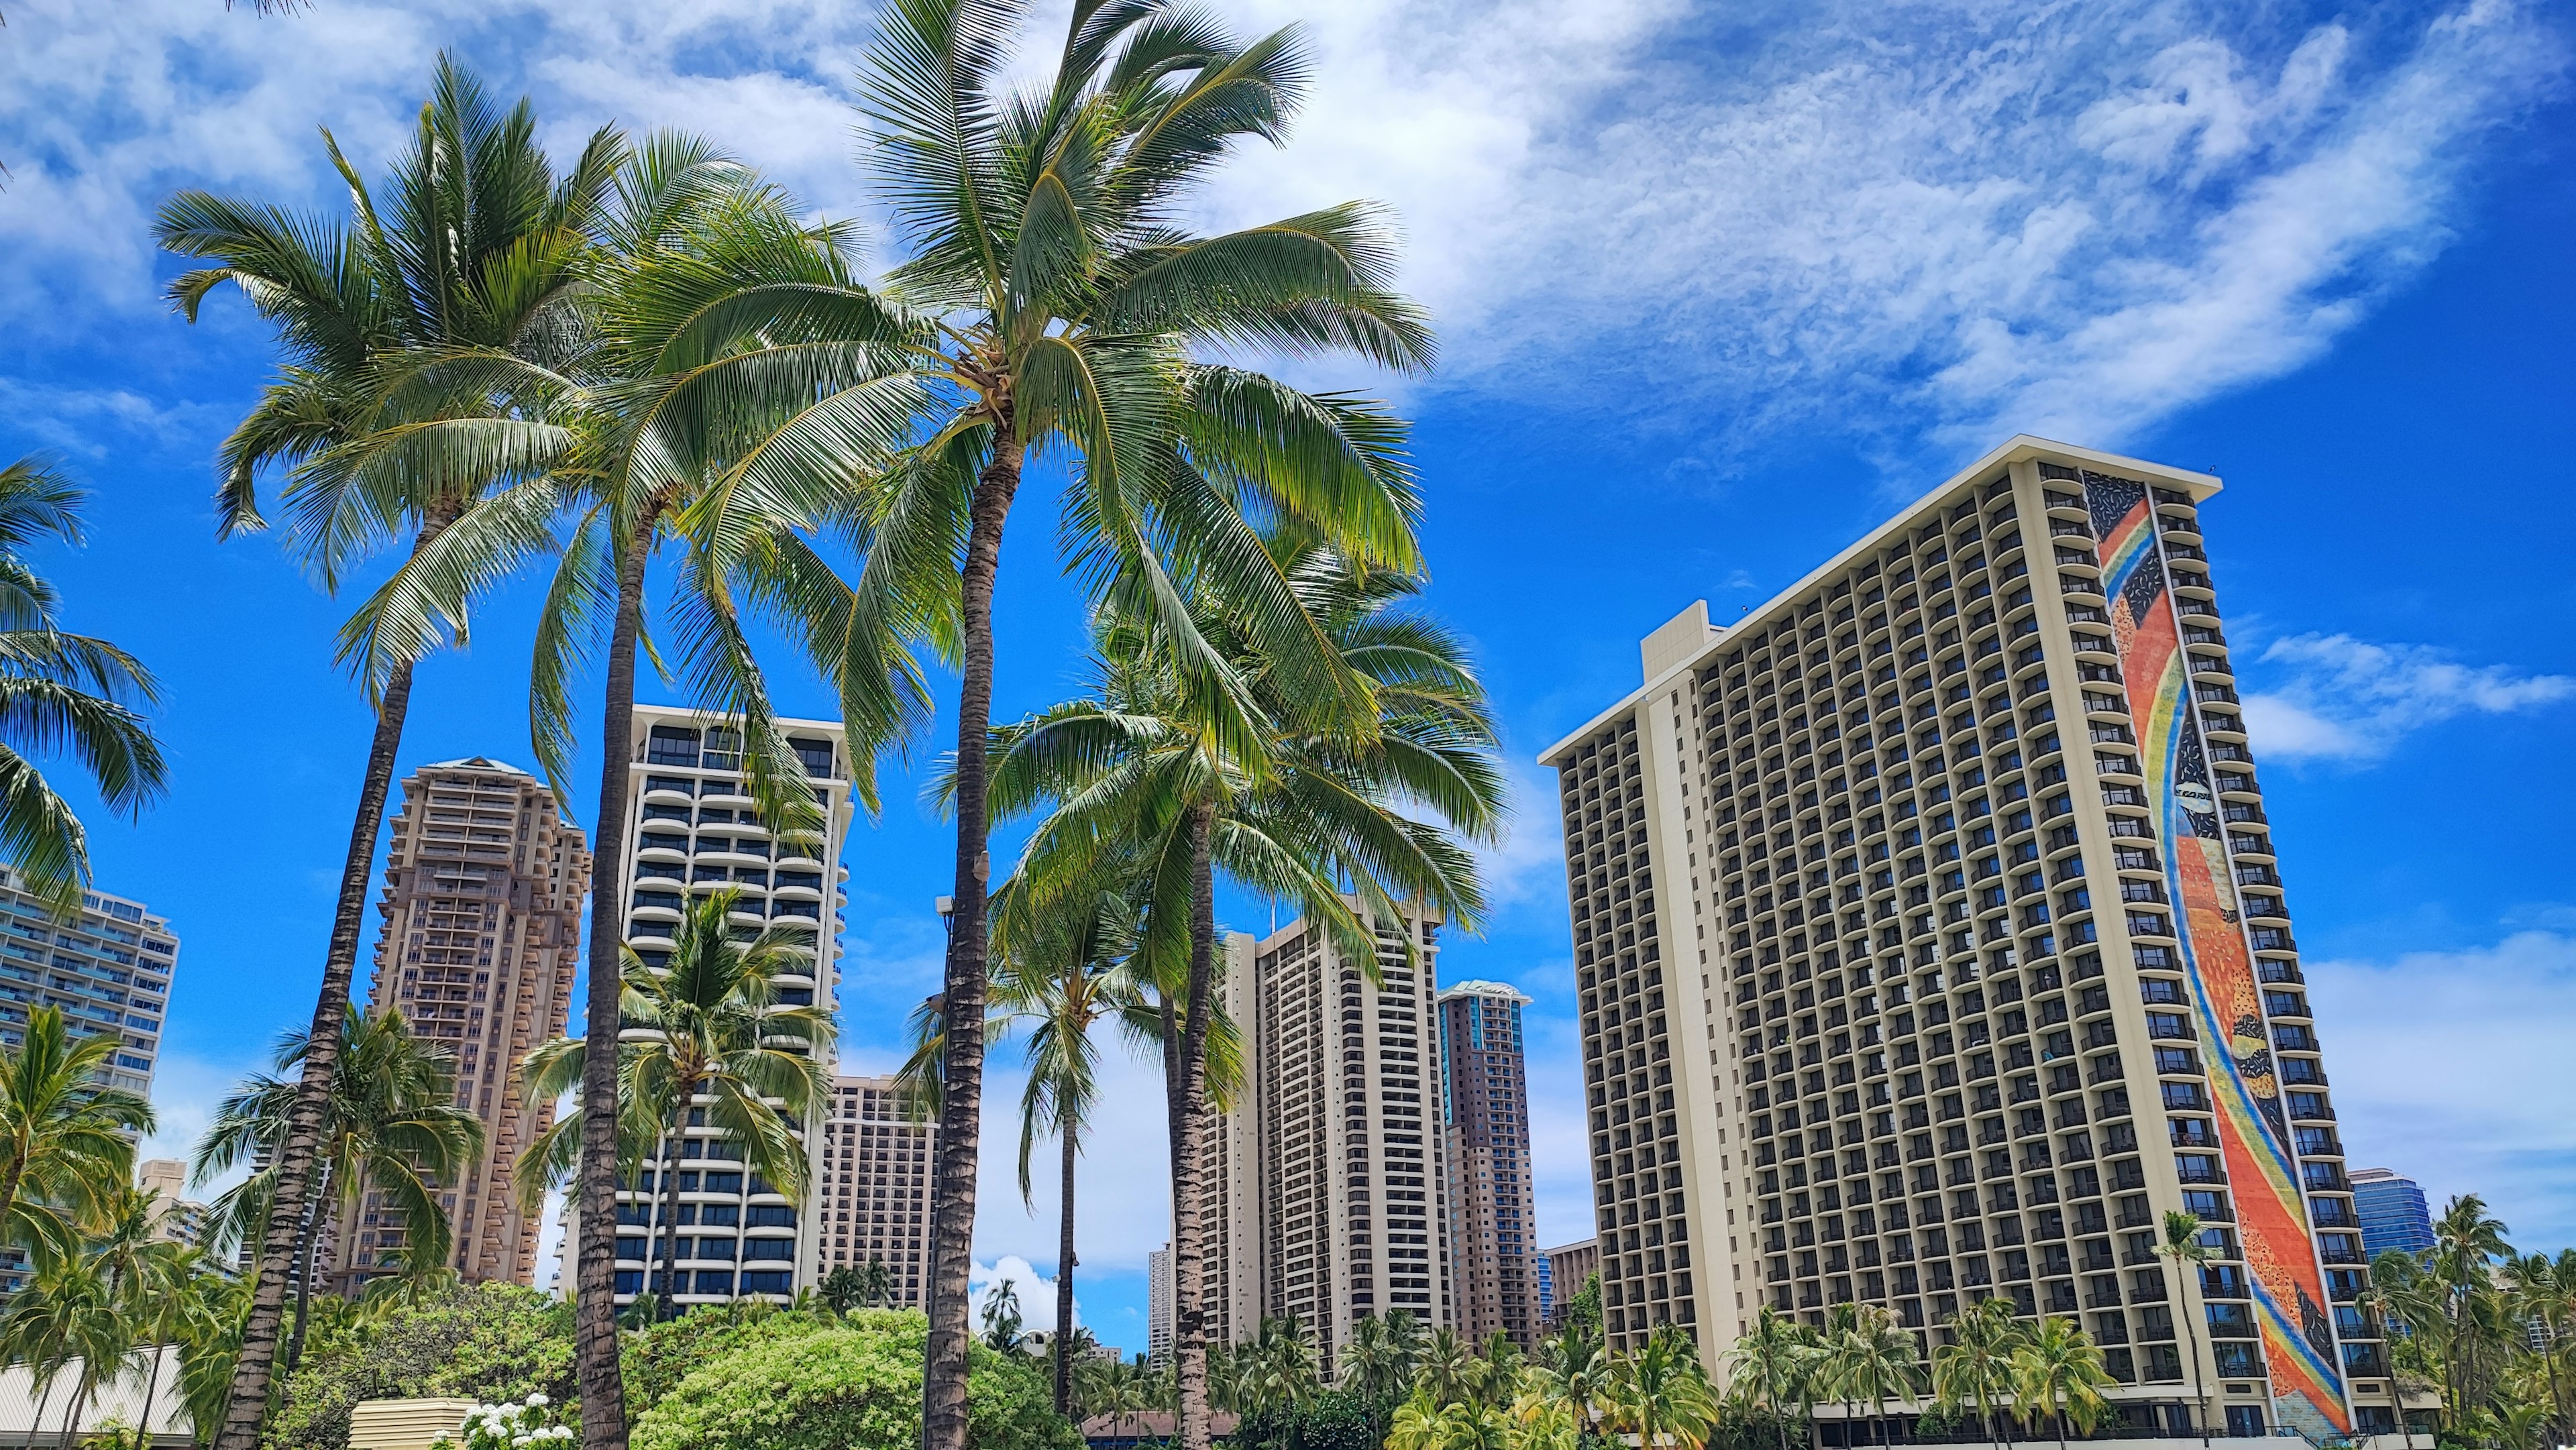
{"type": "Point", "coordinates": [1493, 1204]}
{"type": "Point", "coordinates": [1158, 1305]}
{"type": "Point", "coordinates": [1569, 1267]}
{"type": "Point", "coordinates": [1327, 1184]}
{"type": "Point", "coordinates": [182, 1220]}
{"type": "Point", "coordinates": [2393, 1212]}
{"type": "Point", "coordinates": [1931, 945]}
{"type": "Point", "coordinates": [872, 1193]}
{"type": "Point", "coordinates": [484, 882]}
{"type": "Point", "coordinates": [692, 827]}
{"type": "Point", "coordinates": [108, 970]}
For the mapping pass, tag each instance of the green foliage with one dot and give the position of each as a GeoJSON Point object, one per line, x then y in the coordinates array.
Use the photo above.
{"type": "Point", "coordinates": [840, 1385]}
{"type": "Point", "coordinates": [1332, 1420]}
{"type": "Point", "coordinates": [491, 1342]}
{"type": "Point", "coordinates": [518, 1425]}
{"type": "Point", "coordinates": [658, 1358]}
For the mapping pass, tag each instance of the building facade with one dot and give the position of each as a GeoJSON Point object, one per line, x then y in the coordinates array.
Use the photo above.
{"type": "Point", "coordinates": [1158, 1305]}
{"type": "Point", "coordinates": [1931, 945]}
{"type": "Point", "coordinates": [872, 1193]}
{"type": "Point", "coordinates": [481, 935]}
{"type": "Point", "coordinates": [1569, 1266]}
{"type": "Point", "coordinates": [1326, 1192]}
{"type": "Point", "coordinates": [108, 970]}
{"type": "Point", "coordinates": [181, 1219]}
{"type": "Point", "coordinates": [1493, 1206]}
{"type": "Point", "coordinates": [2393, 1212]}
{"type": "Point", "coordinates": [691, 828]}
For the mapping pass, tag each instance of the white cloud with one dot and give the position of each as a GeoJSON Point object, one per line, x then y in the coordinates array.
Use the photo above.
{"type": "Point", "coordinates": [1528, 865]}
{"type": "Point", "coordinates": [1036, 1293]}
{"type": "Point", "coordinates": [2449, 1066]}
{"type": "Point", "coordinates": [2344, 698]}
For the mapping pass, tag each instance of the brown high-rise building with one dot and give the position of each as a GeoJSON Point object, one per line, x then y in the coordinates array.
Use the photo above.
{"type": "Point", "coordinates": [871, 1197]}
{"type": "Point", "coordinates": [1493, 1208]}
{"type": "Point", "coordinates": [1932, 946]}
{"type": "Point", "coordinates": [482, 926]}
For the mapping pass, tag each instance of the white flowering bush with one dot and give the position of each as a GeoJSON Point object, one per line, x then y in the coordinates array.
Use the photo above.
{"type": "Point", "coordinates": [521, 1425]}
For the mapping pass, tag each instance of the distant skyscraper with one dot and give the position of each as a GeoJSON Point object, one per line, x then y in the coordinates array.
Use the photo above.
{"type": "Point", "coordinates": [1569, 1266]}
{"type": "Point", "coordinates": [166, 1179]}
{"type": "Point", "coordinates": [1158, 1305]}
{"type": "Point", "coordinates": [482, 926]}
{"type": "Point", "coordinates": [872, 1193]}
{"type": "Point", "coordinates": [1326, 1191]}
{"type": "Point", "coordinates": [2393, 1212]}
{"type": "Point", "coordinates": [1546, 1270]}
{"type": "Point", "coordinates": [691, 826]}
{"type": "Point", "coordinates": [1493, 1208]}
{"type": "Point", "coordinates": [108, 970]}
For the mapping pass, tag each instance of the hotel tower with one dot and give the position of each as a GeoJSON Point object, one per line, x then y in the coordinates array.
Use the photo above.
{"type": "Point", "coordinates": [1932, 946]}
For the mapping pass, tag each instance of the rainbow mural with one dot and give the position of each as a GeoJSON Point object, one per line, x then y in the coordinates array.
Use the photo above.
{"type": "Point", "coordinates": [2290, 1301]}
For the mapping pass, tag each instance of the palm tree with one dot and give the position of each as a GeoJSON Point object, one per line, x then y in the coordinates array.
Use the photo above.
{"type": "Point", "coordinates": [1772, 1360]}
{"type": "Point", "coordinates": [1874, 1360]}
{"type": "Point", "coordinates": [1448, 1371]}
{"type": "Point", "coordinates": [2181, 1247]}
{"type": "Point", "coordinates": [1042, 232]}
{"type": "Point", "coordinates": [1660, 1395]}
{"type": "Point", "coordinates": [65, 1312]}
{"type": "Point", "coordinates": [1151, 779]}
{"type": "Point", "coordinates": [58, 692]}
{"type": "Point", "coordinates": [2467, 1242]}
{"type": "Point", "coordinates": [705, 1038]}
{"type": "Point", "coordinates": [479, 243]}
{"type": "Point", "coordinates": [1002, 1317]}
{"type": "Point", "coordinates": [2544, 1294]}
{"type": "Point", "coordinates": [1571, 1366]}
{"type": "Point", "coordinates": [1061, 979]}
{"type": "Point", "coordinates": [391, 1126]}
{"type": "Point", "coordinates": [1975, 1367]}
{"type": "Point", "coordinates": [66, 1139]}
{"type": "Point", "coordinates": [1378, 1364]}
{"type": "Point", "coordinates": [2058, 1376]}
{"type": "Point", "coordinates": [1499, 1375]}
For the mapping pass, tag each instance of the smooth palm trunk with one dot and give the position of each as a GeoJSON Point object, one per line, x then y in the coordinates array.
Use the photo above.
{"type": "Point", "coordinates": [305, 1249]}
{"type": "Point", "coordinates": [603, 1386]}
{"type": "Point", "coordinates": [246, 1404]}
{"type": "Point", "coordinates": [1072, 1147]}
{"type": "Point", "coordinates": [1187, 1086]}
{"type": "Point", "coordinates": [952, 1230]}
{"type": "Point", "coordinates": [669, 1198]}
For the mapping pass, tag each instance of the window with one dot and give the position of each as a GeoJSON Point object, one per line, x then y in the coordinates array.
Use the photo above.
{"type": "Point", "coordinates": [715, 1281]}
{"type": "Point", "coordinates": [671, 745]}
{"type": "Point", "coordinates": [817, 754]}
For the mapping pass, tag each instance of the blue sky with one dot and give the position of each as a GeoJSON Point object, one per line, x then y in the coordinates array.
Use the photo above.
{"type": "Point", "coordinates": [1718, 292]}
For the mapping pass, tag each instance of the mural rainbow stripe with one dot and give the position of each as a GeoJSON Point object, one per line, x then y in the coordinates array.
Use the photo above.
{"type": "Point", "coordinates": [2262, 1171]}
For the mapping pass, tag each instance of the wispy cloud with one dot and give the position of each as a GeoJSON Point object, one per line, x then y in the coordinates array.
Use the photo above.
{"type": "Point", "coordinates": [2347, 699]}
{"type": "Point", "coordinates": [2449, 1067]}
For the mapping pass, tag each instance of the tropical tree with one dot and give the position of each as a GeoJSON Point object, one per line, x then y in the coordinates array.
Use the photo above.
{"type": "Point", "coordinates": [1659, 1394]}
{"type": "Point", "coordinates": [2543, 1290]}
{"type": "Point", "coordinates": [1448, 1371]}
{"type": "Point", "coordinates": [707, 1036]}
{"type": "Point", "coordinates": [1871, 1360]}
{"type": "Point", "coordinates": [66, 1137]}
{"type": "Point", "coordinates": [2181, 1247]}
{"type": "Point", "coordinates": [1423, 1423]}
{"type": "Point", "coordinates": [60, 692]}
{"type": "Point", "coordinates": [2058, 1377]}
{"type": "Point", "coordinates": [1976, 1366]}
{"type": "Point", "coordinates": [1544, 1415]}
{"type": "Point", "coordinates": [391, 1127]}
{"type": "Point", "coordinates": [1571, 1367]}
{"type": "Point", "coordinates": [1042, 230]}
{"type": "Point", "coordinates": [66, 1312]}
{"type": "Point", "coordinates": [1771, 1364]}
{"type": "Point", "coordinates": [1377, 1364]}
{"type": "Point", "coordinates": [479, 242]}
{"type": "Point", "coordinates": [2467, 1244]}
{"type": "Point", "coordinates": [1002, 1317]}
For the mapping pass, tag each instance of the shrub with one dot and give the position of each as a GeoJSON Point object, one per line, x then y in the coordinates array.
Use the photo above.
{"type": "Point", "coordinates": [528, 1425]}
{"type": "Point", "coordinates": [659, 1357]}
{"type": "Point", "coordinates": [490, 1342]}
{"type": "Point", "coordinates": [851, 1386]}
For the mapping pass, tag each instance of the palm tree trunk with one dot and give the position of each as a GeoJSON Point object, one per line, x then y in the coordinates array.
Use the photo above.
{"type": "Point", "coordinates": [151, 1387]}
{"type": "Point", "coordinates": [1072, 1145]}
{"type": "Point", "coordinates": [2199, 1396]}
{"type": "Point", "coordinates": [603, 1385]}
{"type": "Point", "coordinates": [669, 1198]}
{"type": "Point", "coordinates": [1188, 1087]}
{"type": "Point", "coordinates": [80, 1401]}
{"type": "Point", "coordinates": [305, 1248]}
{"type": "Point", "coordinates": [44, 1392]}
{"type": "Point", "coordinates": [246, 1404]}
{"type": "Point", "coordinates": [952, 1230]}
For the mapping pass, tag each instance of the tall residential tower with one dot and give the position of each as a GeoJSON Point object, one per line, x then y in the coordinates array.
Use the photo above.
{"type": "Point", "coordinates": [1494, 1259]}
{"type": "Point", "coordinates": [872, 1196]}
{"type": "Point", "coordinates": [1326, 1195]}
{"type": "Point", "coordinates": [1932, 945]}
{"type": "Point", "coordinates": [482, 930]}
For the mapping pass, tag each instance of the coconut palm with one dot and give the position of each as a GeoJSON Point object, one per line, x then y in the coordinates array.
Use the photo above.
{"type": "Point", "coordinates": [391, 1127]}
{"type": "Point", "coordinates": [1002, 1317]}
{"type": "Point", "coordinates": [1659, 1394]}
{"type": "Point", "coordinates": [1976, 1366]}
{"type": "Point", "coordinates": [1060, 980]}
{"type": "Point", "coordinates": [1771, 1363]}
{"type": "Point", "coordinates": [66, 1139]}
{"type": "Point", "coordinates": [1142, 778]}
{"type": "Point", "coordinates": [1449, 1371]}
{"type": "Point", "coordinates": [2181, 1246]}
{"type": "Point", "coordinates": [1543, 1415]}
{"type": "Point", "coordinates": [66, 1312]}
{"type": "Point", "coordinates": [2058, 1377]}
{"type": "Point", "coordinates": [1042, 229]}
{"type": "Point", "coordinates": [60, 692]}
{"type": "Point", "coordinates": [2544, 1294]}
{"type": "Point", "coordinates": [2467, 1244]}
{"type": "Point", "coordinates": [478, 241]}
{"type": "Point", "coordinates": [706, 1037]}
{"type": "Point", "coordinates": [1571, 1366]}
{"type": "Point", "coordinates": [1871, 1360]}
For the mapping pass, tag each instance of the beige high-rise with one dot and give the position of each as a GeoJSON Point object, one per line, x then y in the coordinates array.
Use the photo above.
{"type": "Point", "coordinates": [482, 929]}
{"type": "Point", "coordinates": [1326, 1193]}
{"type": "Point", "coordinates": [872, 1194]}
{"type": "Point", "coordinates": [1932, 946]}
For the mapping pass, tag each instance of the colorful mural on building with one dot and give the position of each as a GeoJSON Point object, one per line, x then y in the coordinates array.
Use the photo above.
{"type": "Point", "coordinates": [2262, 1173]}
